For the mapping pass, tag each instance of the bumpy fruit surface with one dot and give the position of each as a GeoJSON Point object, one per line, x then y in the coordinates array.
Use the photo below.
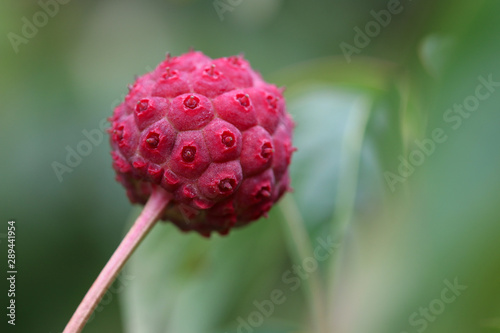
{"type": "Point", "coordinates": [212, 133]}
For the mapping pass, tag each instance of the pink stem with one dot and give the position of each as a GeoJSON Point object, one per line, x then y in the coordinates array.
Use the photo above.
{"type": "Point", "coordinates": [146, 220]}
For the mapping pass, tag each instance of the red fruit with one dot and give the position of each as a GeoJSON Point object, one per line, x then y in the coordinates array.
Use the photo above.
{"type": "Point", "coordinates": [210, 132]}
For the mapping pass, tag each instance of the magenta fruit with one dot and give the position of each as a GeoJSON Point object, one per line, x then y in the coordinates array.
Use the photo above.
{"type": "Point", "coordinates": [211, 133]}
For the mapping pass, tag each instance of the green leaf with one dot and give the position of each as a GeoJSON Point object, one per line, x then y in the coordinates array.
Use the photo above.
{"type": "Point", "coordinates": [435, 51]}
{"type": "Point", "coordinates": [184, 283]}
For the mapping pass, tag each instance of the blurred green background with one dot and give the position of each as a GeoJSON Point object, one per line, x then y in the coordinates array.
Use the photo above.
{"type": "Point", "coordinates": [397, 167]}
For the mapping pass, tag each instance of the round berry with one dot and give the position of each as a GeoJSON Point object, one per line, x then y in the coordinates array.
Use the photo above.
{"type": "Point", "coordinates": [212, 133]}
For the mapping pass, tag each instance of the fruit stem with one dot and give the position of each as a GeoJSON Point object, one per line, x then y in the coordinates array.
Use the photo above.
{"type": "Point", "coordinates": [146, 220]}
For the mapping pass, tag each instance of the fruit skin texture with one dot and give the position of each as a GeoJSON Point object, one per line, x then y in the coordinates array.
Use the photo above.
{"type": "Point", "coordinates": [212, 133]}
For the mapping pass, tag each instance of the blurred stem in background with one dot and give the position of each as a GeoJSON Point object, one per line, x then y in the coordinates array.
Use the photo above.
{"type": "Point", "coordinates": [300, 248]}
